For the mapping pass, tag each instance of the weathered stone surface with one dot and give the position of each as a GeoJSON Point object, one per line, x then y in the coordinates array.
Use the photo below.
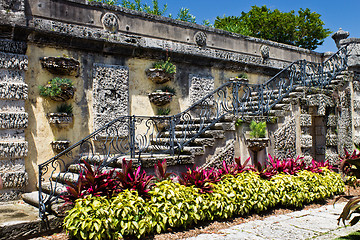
{"type": "Point", "coordinates": [265, 51]}
{"type": "Point", "coordinates": [331, 121]}
{"type": "Point", "coordinates": [200, 86]}
{"type": "Point", "coordinates": [12, 105]}
{"type": "Point", "coordinates": [12, 165]}
{"type": "Point", "coordinates": [13, 120]}
{"type": "Point", "coordinates": [16, 91]}
{"type": "Point", "coordinates": [221, 154]}
{"type": "Point", "coordinates": [356, 104]}
{"type": "Point", "coordinates": [159, 76]}
{"type": "Point", "coordinates": [331, 140]}
{"type": "Point", "coordinates": [14, 179]}
{"type": "Point", "coordinates": [12, 135]}
{"type": "Point", "coordinates": [306, 141]}
{"type": "Point", "coordinates": [110, 22]}
{"type": "Point", "coordinates": [111, 93]}
{"type": "Point", "coordinates": [160, 98]}
{"type": "Point", "coordinates": [305, 120]}
{"type": "Point", "coordinates": [10, 46]}
{"type": "Point", "coordinates": [320, 100]}
{"type": "Point", "coordinates": [285, 140]}
{"type": "Point", "coordinates": [13, 149]}
{"type": "Point", "coordinates": [200, 39]}
{"type": "Point", "coordinates": [345, 122]}
{"type": "Point", "coordinates": [7, 195]}
{"type": "Point", "coordinates": [257, 144]}
{"type": "Point", "coordinates": [356, 122]}
{"type": "Point", "coordinates": [15, 76]}
{"type": "Point", "coordinates": [13, 61]}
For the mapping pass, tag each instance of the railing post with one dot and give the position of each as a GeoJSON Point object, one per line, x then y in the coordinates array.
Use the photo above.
{"type": "Point", "coordinates": [172, 135]}
{"type": "Point", "coordinates": [41, 200]}
{"type": "Point", "coordinates": [235, 97]}
{"type": "Point", "coordinates": [132, 136]}
{"type": "Point", "coordinates": [303, 73]}
{"type": "Point", "coordinates": [261, 99]}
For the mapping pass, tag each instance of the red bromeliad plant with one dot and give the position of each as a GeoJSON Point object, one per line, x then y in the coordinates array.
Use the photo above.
{"type": "Point", "coordinates": [289, 166]}
{"type": "Point", "coordinates": [200, 178]}
{"type": "Point", "coordinates": [91, 181]}
{"type": "Point", "coordinates": [316, 167]}
{"type": "Point", "coordinates": [160, 171]}
{"type": "Point", "coordinates": [235, 168]}
{"type": "Point", "coordinates": [134, 179]}
{"type": "Point", "coordinates": [350, 163]}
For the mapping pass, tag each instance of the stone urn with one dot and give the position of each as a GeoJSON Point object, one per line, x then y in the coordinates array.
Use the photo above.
{"type": "Point", "coordinates": [160, 98]}
{"type": "Point", "coordinates": [257, 144]}
{"type": "Point", "coordinates": [159, 76]}
{"type": "Point", "coordinates": [59, 146]}
{"type": "Point", "coordinates": [60, 120]}
{"type": "Point", "coordinates": [61, 65]}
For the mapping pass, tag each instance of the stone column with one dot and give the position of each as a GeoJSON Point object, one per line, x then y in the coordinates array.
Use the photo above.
{"type": "Point", "coordinates": [13, 119]}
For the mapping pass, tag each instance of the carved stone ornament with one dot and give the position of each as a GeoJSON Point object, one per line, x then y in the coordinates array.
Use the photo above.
{"type": "Point", "coordinates": [339, 35]}
{"type": "Point", "coordinates": [200, 39]}
{"type": "Point", "coordinates": [265, 51]}
{"type": "Point", "coordinates": [159, 75]}
{"type": "Point", "coordinates": [160, 98]}
{"type": "Point", "coordinates": [60, 120]}
{"type": "Point", "coordinates": [59, 146]}
{"type": "Point", "coordinates": [257, 144]}
{"type": "Point", "coordinates": [61, 65]}
{"type": "Point", "coordinates": [110, 22]}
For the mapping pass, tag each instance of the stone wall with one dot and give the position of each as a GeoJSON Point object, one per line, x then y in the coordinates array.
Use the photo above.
{"type": "Point", "coordinates": [13, 118]}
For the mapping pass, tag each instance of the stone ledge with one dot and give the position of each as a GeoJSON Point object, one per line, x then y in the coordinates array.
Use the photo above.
{"type": "Point", "coordinates": [13, 120]}
{"type": "Point", "coordinates": [13, 61]}
{"type": "Point", "coordinates": [14, 179]}
{"type": "Point", "coordinates": [10, 46]}
{"type": "Point", "coordinates": [17, 91]}
{"type": "Point", "coordinates": [13, 149]}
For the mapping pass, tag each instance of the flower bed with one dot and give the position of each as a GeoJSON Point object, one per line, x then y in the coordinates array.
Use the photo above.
{"type": "Point", "coordinates": [171, 204]}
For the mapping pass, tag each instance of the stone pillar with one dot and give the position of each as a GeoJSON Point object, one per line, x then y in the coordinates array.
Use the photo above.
{"type": "Point", "coordinates": [13, 119]}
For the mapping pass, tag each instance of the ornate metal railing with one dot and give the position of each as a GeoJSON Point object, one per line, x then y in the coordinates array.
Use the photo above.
{"type": "Point", "coordinates": [136, 136]}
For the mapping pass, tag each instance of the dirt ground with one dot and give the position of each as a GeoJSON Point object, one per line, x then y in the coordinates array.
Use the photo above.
{"type": "Point", "coordinates": [215, 226]}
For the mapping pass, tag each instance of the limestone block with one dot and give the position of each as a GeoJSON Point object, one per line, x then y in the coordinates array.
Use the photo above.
{"type": "Point", "coordinates": [13, 61]}
{"type": "Point", "coordinates": [111, 93]}
{"type": "Point", "coordinates": [13, 120]}
{"type": "Point", "coordinates": [285, 140]}
{"type": "Point", "coordinates": [221, 154]}
{"type": "Point", "coordinates": [12, 165]}
{"type": "Point", "coordinates": [7, 195]}
{"type": "Point", "coordinates": [305, 120]}
{"type": "Point", "coordinates": [356, 122]}
{"type": "Point", "coordinates": [332, 158]}
{"type": "Point", "coordinates": [14, 179]}
{"type": "Point", "coordinates": [12, 106]}
{"type": "Point", "coordinates": [331, 140]}
{"type": "Point", "coordinates": [15, 76]}
{"type": "Point", "coordinates": [306, 141]}
{"type": "Point", "coordinates": [356, 104]}
{"type": "Point", "coordinates": [331, 121]}
{"type": "Point", "coordinates": [199, 87]}
{"type": "Point", "coordinates": [12, 46]}
{"type": "Point", "coordinates": [13, 149]}
{"type": "Point", "coordinates": [18, 91]}
{"type": "Point", "coordinates": [12, 135]}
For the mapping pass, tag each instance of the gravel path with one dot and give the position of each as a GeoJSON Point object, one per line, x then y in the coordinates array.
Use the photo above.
{"type": "Point", "coordinates": [319, 223]}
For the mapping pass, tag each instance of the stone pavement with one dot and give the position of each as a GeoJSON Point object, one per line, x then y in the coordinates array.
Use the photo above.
{"type": "Point", "coordinates": [319, 224]}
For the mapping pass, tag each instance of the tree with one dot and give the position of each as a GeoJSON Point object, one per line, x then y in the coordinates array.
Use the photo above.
{"type": "Point", "coordinates": [304, 29]}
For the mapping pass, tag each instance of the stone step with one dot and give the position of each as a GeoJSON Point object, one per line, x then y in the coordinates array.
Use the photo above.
{"type": "Point", "coordinates": [196, 142]}
{"type": "Point", "coordinates": [192, 150]}
{"type": "Point", "coordinates": [65, 177]}
{"type": "Point", "coordinates": [189, 134]}
{"type": "Point", "coordinates": [57, 207]}
{"type": "Point", "coordinates": [196, 120]}
{"type": "Point", "coordinates": [49, 187]}
{"type": "Point", "coordinates": [75, 168]}
{"type": "Point", "coordinates": [192, 126]}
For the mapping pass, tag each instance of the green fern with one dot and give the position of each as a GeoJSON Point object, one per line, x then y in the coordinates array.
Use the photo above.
{"type": "Point", "coordinates": [167, 66]}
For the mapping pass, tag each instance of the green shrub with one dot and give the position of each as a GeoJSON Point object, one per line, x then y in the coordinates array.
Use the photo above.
{"type": "Point", "coordinates": [258, 130]}
{"type": "Point", "coordinates": [175, 205]}
{"type": "Point", "coordinates": [163, 111]}
{"type": "Point", "coordinates": [167, 66]}
{"type": "Point", "coordinates": [65, 108]}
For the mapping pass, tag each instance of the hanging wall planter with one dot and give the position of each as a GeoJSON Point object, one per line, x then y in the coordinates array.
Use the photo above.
{"type": "Point", "coordinates": [257, 144]}
{"type": "Point", "coordinates": [59, 146]}
{"type": "Point", "coordinates": [58, 89]}
{"type": "Point", "coordinates": [160, 98]}
{"type": "Point", "coordinates": [60, 120]}
{"type": "Point", "coordinates": [162, 72]}
{"type": "Point", "coordinates": [61, 65]}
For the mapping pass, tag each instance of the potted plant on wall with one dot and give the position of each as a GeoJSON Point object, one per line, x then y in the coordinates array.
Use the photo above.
{"type": "Point", "coordinates": [59, 145]}
{"type": "Point", "coordinates": [162, 96]}
{"type": "Point", "coordinates": [58, 89]}
{"type": "Point", "coordinates": [62, 117]}
{"type": "Point", "coordinates": [258, 140]}
{"type": "Point", "coordinates": [242, 77]}
{"type": "Point", "coordinates": [64, 65]}
{"type": "Point", "coordinates": [162, 72]}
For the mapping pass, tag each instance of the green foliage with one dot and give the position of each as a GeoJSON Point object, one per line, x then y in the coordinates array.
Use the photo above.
{"type": "Point", "coordinates": [110, 2]}
{"type": "Point", "coordinates": [242, 75]}
{"type": "Point", "coordinates": [184, 15]}
{"type": "Point", "coordinates": [258, 130]}
{"type": "Point", "coordinates": [55, 87]}
{"type": "Point", "coordinates": [174, 205]}
{"type": "Point", "coordinates": [167, 66]}
{"type": "Point", "coordinates": [168, 89]}
{"type": "Point", "coordinates": [163, 111]}
{"type": "Point", "coordinates": [239, 122]}
{"type": "Point", "coordinates": [65, 108]}
{"type": "Point", "coordinates": [143, 7]}
{"type": "Point", "coordinates": [352, 206]}
{"type": "Point", "coordinates": [304, 29]}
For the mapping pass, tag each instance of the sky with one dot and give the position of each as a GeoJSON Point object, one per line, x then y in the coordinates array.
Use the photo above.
{"type": "Point", "coordinates": [343, 14]}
